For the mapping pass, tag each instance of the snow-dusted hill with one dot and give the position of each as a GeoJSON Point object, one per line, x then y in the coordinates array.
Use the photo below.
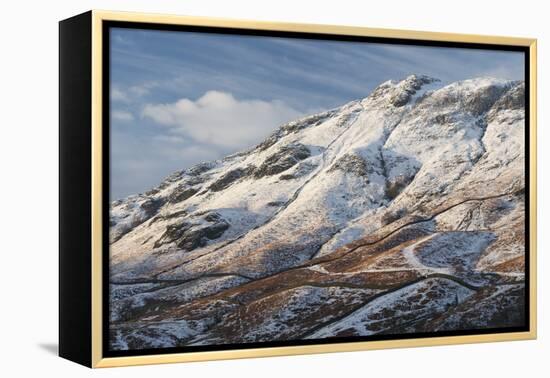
{"type": "Point", "coordinates": [401, 212]}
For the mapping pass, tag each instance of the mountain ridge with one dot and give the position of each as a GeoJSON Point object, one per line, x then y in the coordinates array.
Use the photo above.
{"type": "Point", "coordinates": [382, 178]}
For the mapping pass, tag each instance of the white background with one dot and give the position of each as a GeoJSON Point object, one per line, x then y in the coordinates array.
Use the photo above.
{"type": "Point", "coordinates": [29, 174]}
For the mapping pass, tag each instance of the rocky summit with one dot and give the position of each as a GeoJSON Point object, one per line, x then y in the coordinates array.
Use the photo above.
{"type": "Point", "coordinates": [403, 212]}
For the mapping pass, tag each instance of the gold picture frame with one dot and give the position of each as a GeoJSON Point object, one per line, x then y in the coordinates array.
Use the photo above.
{"type": "Point", "coordinates": [93, 353]}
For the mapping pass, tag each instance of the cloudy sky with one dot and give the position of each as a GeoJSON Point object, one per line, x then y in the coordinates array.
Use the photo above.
{"type": "Point", "coordinates": [179, 98]}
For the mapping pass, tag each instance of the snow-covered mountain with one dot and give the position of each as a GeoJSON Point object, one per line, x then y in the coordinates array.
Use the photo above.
{"type": "Point", "coordinates": [400, 212]}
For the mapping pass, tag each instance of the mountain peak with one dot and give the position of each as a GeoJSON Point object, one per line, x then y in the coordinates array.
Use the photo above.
{"type": "Point", "coordinates": [401, 92]}
{"type": "Point", "coordinates": [416, 80]}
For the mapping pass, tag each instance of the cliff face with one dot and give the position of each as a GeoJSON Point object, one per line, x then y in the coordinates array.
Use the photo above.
{"type": "Point", "coordinates": [401, 212]}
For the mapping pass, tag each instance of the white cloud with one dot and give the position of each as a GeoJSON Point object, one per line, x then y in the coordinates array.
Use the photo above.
{"type": "Point", "coordinates": [132, 93]}
{"type": "Point", "coordinates": [118, 95]}
{"type": "Point", "coordinates": [219, 118]}
{"type": "Point", "coordinates": [122, 115]}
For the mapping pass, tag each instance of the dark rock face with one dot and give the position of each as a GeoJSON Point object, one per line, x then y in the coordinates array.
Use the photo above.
{"type": "Point", "coordinates": [189, 235]}
{"type": "Point", "coordinates": [396, 185]}
{"type": "Point", "coordinates": [198, 237]}
{"type": "Point", "coordinates": [199, 169]}
{"type": "Point", "coordinates": [275, 203]}
{"type": "Point", "coordinates": [229, 178]}
{"type": "Point", "coordinates": [287, 177]}
{"type": "Point", "coordinates": [172, 233]}
{"type": "Point", "coordinates": [443, 119]}
{"type": "Point", "coordinates": [152, 192]}
{"type": "Point", "coordinates": [513, 99]}
{"type": "Point", "coordinates": [269, 141]}
{"type": "Point", "coordinates": [301, 170]}
{"type": "Point", "coordinates": [181, 193]}
{"type": "Point", "coordinates": [292, 127]}
{"type": "Point", "coordinates": [285, 158]}
{"type": "Point", "coordinates": [215, 230]}
{"type": "Point", "coordinates": [312, 120]}
{"type": "Point", "coordinates": [167, 181]}
{"type": "Point", "coordinates": [151, 206]}
{"type": "Point", "coordinates": [479, 101]}
{"type": "Point", "coordinates": [176, 214]}
{"type": "Point", "coordinates": [351, 163]}
{"type": "Point", "coordinates": [412, 85]}
{"type": "Point", "coordinates": [482, 100]}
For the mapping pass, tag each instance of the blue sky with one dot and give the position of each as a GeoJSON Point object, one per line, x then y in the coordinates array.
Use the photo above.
{"type": "Point", "coordinates": [179, 98]}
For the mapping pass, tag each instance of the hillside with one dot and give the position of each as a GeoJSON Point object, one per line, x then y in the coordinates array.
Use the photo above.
{"type": "Point", "coordinates": [400, 212]}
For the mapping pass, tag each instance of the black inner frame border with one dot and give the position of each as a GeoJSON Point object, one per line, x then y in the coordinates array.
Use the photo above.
{"type": "Point", "coordinates": [106, 172]}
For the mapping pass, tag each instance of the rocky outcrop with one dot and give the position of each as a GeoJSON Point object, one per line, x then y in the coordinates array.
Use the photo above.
{"type": "Point", "coordinates": [191, 234]}
{"type": "Point", "coordinates": [181, 193]}
{"type": "Point", "coordinates": [300, 170]}
{"type": "Point", "coordinates": [126, 215]}
{"type": "Point", "coordinates": [293, 127]}
{"type": "Point", "coordinates": [351, 163]}
{"type": "Point", "coordinates": [230, 177]}
{"type": "Point", "coordinates": [285, 158]}
{"type": "Point", "coordinates": [409, 88]}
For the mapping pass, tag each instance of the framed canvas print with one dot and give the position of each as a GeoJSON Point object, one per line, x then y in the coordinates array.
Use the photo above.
{"type": "Point", "coordinates": [235, 189]}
